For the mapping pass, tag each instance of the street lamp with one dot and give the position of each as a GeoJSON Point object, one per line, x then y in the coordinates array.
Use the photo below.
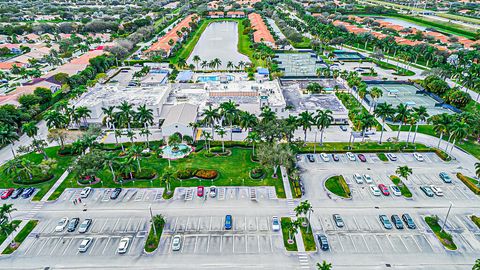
{"type": "Point", "coordinates": [446, 218]}
{"type": "Point", "coordinates": [151, 217]}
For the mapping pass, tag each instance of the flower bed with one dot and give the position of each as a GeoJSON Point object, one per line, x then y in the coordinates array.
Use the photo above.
{"type": "Point", "coordinates": [67, 151]}
{"type": "Point", "coordinates": [198, 173]}
{"type": "Point", "coordinates": [257, 173]}
{"type": "Point", "coordinates": [36, 179]}
{"type": "Point", "coordinates": [145, 174]}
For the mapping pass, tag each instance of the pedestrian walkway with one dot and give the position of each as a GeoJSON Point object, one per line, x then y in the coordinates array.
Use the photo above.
{"type": "Point", "coordinates": [12, 236]}
{"type": "Point", "coordinates": [38, 206]}
{"type": "Point", "coordinates": [55, 186]}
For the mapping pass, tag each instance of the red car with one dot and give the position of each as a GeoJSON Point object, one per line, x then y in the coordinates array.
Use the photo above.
{"type": "Point", "coordinates": [362, 158]}
{"type": "Point", "coordinates": [384, 189]}
{"type": "Point", "coordinates": [200, 191]}
{"type": "Point", "coordinates": [7, 193]}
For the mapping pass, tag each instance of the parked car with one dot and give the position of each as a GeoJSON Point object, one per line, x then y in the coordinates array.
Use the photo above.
{"type": "Point", "coordinates": [62, 223]}
{"type": "Point", "coordinates": [115, 193]}
{"type": "Point", "coordinates": [335, 157]}
{"type": "Point", "coordinates": [375, 190]}
{"type": "Point", "coordinates": [391, 157]}
{"type": "Point", "coordinates": [228, 222]}
{"type": "Point", "coordinates": [85, 244]}
{"type": "Point", "coordinates": [338, 220]}
{"type": "Point", "coordinates": [362, 158]}
{"type": "Point", "coordinates": [322, 240]}
{"type": "Point", "coordinates": [176, 243]}
{"type": "Point", "coordinates": [310, 158]}
{"type": "Point", "coordinates": [351, 156]}
{"type": "Point", "coordinates": [213, 191]}
{"type": "Point", "coordinates": [325, 157]}
{"type": "Point", "coordinates": [427, 190]}
{"type": "Point", "coordinates": [72, 225]}
{"type": "Point", "coordinates": [418, 157]}
{"type": "Point", "coordinates": [17, 193]}
{"type": "Point", "coordinates": [123, 245]}
{"type": "Point", "coordinates": [397, 222]}
{"type": "Point", "coordinates": [384, 189]}
{"type": "Point", "coordinates": [395, 190]}
{"type": "Point", "coordinates": [28, 192]}
{"type": "Point", "coordinates": [275, 224]}
{"type": "Point", "coordinates": [83, 228]}
{"type": "Point", "coordinates": [236, 130]}
{"type": "Point", "coordinates": [409, 221]}
{"type": "Point", "coordinates": [368, 179]}
{"type": "Point", "coordinates": [7, 193]}
{"type": "Point", "coordinates": [445, 177]}
{"type": "Point", "coordinates": [385, 222]}
{"type": "Point", "coordinates": [302, 186]}
{"type": "Point", "coordinates": [438, 191]}
{"type": "Point", "coordinates": [85, 192]}
{"type": "Point", "coordinates": [200, 191]}
{"type": "Point", "coordinates": [343, 128]}
{"type": "Point", "coordinates": [358, 178]}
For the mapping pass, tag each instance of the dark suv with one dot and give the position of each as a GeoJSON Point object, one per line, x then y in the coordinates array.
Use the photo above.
{"type": "Point", "coordinates": [72, 225]}
{"type": "Point", "coordinates": [409, 221]}
{"type": "Point", "coordinates": [397, 222]}
{"type": "Point", "coordinates": [322, 240]}
{"type": "Point", "coordinates": [116, 192]}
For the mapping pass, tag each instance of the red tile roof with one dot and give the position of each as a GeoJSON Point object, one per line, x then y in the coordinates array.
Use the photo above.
{"type": "Point", "coordinates": [261, 34]}
{"type": "Point", "coordinates": [162, 43]}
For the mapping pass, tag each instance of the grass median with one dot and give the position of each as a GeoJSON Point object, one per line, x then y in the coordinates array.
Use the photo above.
{"type": "Point", "coordinates": [338, 186]}
{"type": "Point", "coordinates": [476, 220]}
{"type": "Point", "coordinates": [382, 156]}
{"type": "Point", "coordinates": [21, 236]}
{"type": "Point", "coordinates": [308, 237]}
{"type": "Point", "coordinates": [290, 247]}
{"type": "Point", "coordinates": [403, 188]}
{"type": "Point", "coordinates": [444, 237]}
{"type": "Point", "coordinates": [154, 239]}
{"type": "Point", "coordinates": [3, 236]}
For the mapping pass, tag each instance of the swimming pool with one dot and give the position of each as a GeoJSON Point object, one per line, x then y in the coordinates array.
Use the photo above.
{"type": "Point", "coordinates": [214, 78]}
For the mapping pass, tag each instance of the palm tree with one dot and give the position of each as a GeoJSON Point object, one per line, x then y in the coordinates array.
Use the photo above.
{"type": "Point", "coordinates": [131, 135]}
{"type": "Point", "coordinates": [412, 120]}
{"type": "Point", "coordinates": [268, 115]}
{"type": "Point", "coordinates": [221, 132]}
{"type": "Point", "coordinates": [441, 122]}
{"type": "Point", "coordinates": [207, 136]}
{"type": "Point", "coordinates": [83, 113]}
{"type": "Point", "coordinates": [375, 93]}
{"type": "Point", "coordinates": [459, 132]}
{"type": "Point", "coordinates": [323, 120]}
{"type": "Point", "coordinates": [144, 115]}
{"type": "Point", "coordinates": [196, 59]}
{"type": "Point", "coordinates": [217, 63]}
{"type": "Point", "coordinates": [477, 170]}
{"type": "Point", "coordinates": [168, 175]}
{"type": "Point", "coordinates": [30, 129]}
{"type": "Point", "coordinates": [305, 120]}
{"type": "Point", "coordinates": [384, 110]}
{"type": "Point", "coordinates": [55, 119]}
{"type": "Point", "coordinates": [230, 65]}
{"type": "Point", "coordinates": [253, 138]}
{"type": "Point", "coordinates": [7, 228]}
{"type": "Point", "coordinates": [118, 134]}
{"type": "Point", "coordinates": [292, 228]}
{"type": "Point", "coordinates": [110, 161]}
{"type": "Point", "coordinates": [324, 266]}
{"type": "Point", "coordinates": [304, 208]}
{"type": "Point", "coordinates": [146, 133]}
{"type": "Point", "coordinates": [7, 209]}
{"type": "Point", "coordinates": [210, 116]}
{"type": "Point", "coordinates": [366, 121]}
{"type": "Point", "coordinates": [247, 120]}
{"type": "Point", "coordinates": [135, 152]}
{"type": "Point", "coordinates": [126, 113]}
{"type": "Point", "coordinates": [109, 113]}
{"type": "Point", "coordinates": [422, 116]}
{"type": "Point", "coordinates": [229, 112]}
{"type": "Point", "coordinates": [182, 63]}
{"type": "Point", "coordinates": [8, 136]}
{"type": "Point", "coordinates": [204, 64]}
{"type": "Point", "coordinates": [403, 171]}
{"type": "Point", "coordinates": [401, 115]}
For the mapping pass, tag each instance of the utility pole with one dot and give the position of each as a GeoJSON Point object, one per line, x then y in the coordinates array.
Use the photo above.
{"type": "Point", "coordinates": [153, 222]}
{"type": "Point", "coordinates": [446, 218]}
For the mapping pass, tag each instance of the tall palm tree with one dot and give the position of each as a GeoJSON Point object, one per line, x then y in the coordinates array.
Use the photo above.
{"type": "Point", "coordinates": [8, 136]}
{"type": "Point", "coordinates": [146, 133]}
{"type": "Point", "coordinates": [323, 120]}
{"type": "Point", "coordinates": [253, 138]}
{"type": "Point", "coordinates": [401, 115]}
{"type": "Point", "coordinates": [30, 129]}
{"type": "Point", "coordinates": [305, 120]}
{"type": "Point", "coordinates": [144, 115]}
{"type": "Point", "coordinates": [118, 134]}
{"type": "Point", "coordinates": [83, 113]}
{"type": "Point", "coordinates": [126, 113]}
{"type": "Point", "coordinates": [217, 63]}
{"type": "Point", "coordinates": [267, 114]}
{"type": "Point", "coordinates": [247, 120]}
{"type": "Point", "coordinates": [55, 119]}
{"type": "Point", "coordinates": [210, 116]}
{"type": "Point", "coordinates": [404, 172]}
{"type": "Point", "coordinates": [459, 132]}
{"type": "Point", "coordinates": [131, 135]}
{"type": "Point", "coordinates": [109, 113]}
{"type": "Point", "coordinates": [477, 170]}
{"type": "Point", "coordinates": [422, 116]}
{"type": "Point", "coordinates": [441, 122]}
{"type": "Point", "coordinates": [196, 59]}
{"type": "Point", "coordinates": [204, 64]}
{"type": "Point", "coordinates": [366, 122]}
{"type": "Point", "coordinates": [384, 110]}
{"type": "Point", "coordinates": [221, 132]}
{"type": "Point", "coordinates": [7, 209]}
{"type": "Point", "coordinates": [375, 93]}
{"type": "Point", "coordinates": [110, 161]}
{"type": "Point", "coordinates": [291, 124]}
{"type": "Point", "coordinates": [412, 120]}
{"type": "Point", "coordinates": [229, 113]}
{"type": "Point", "coordinates": [135, 152]}
{"type": "Point", "coordinates": [230, 65]}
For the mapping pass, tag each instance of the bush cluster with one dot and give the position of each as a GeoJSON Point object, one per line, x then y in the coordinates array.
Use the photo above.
{"type": "Point", "coordinates": [188, 173]}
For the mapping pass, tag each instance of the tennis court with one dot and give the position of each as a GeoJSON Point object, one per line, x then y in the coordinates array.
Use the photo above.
{"type": "Point", "coordinates": [348, 56]}
{"type": "Point", "coordinates": [299, 64]}
{"type": "Point", "coordinates": [407, 94]}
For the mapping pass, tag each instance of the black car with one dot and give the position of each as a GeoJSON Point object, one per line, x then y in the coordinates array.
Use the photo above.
{"type": "Point", "coordinates": [409, 221]}
{"type": "Point", "coordinates": [28, 192]}
{"type": "Point", "coordinates": [17, 193]}
{"type": "Point", "coordinates": [72, 225]}
{"type": "Point", "coordinates": [310, 158]}
{"type": "Point", "coordinates": [335, 157]}
{"type": "Point", "coordinates": [116, 192]}
{"type": "Point", "coordinates": [322, 240]}
{"type": "Point", "coordinates": [397, 222]}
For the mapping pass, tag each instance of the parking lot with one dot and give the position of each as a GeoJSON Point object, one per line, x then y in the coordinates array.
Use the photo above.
{"type": "Point", "coordinates": [206, 235]}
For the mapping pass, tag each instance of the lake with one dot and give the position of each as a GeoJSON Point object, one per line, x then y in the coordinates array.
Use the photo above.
{"type": "Point", "coordinates": [219, 40]}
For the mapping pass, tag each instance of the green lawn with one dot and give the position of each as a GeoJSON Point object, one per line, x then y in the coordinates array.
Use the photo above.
{"type": "Point", "coordinates": [233, 170]}
{"type": "Point", "coordinates": [3, 236]}
{"type": "Point", "coordinates": [21, 236]}
{"type": "Point", "coordinates": [292, 247]}
{"type": "Point", "coordinates": [342, 147]}
{"type": "Point", "coordinates": [459, 18]}
{"type": "Point", "coordinates": [444, 237]}
{"type": "Point", "coordinates": [338, 186]}
{"type": "Point", "coordinates": [382, 156]}
{"type": "Point", "coordinates": [152, 240]}
{"type": "Point", "coordinates": [308, 238]}
{"type": "Point", "coordinates": [403, 188]}
{"type": "Point", "coordinates": [62, 165]}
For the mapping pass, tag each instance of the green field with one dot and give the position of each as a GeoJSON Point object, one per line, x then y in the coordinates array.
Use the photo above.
{"type": "Point", "coordinates": [459, 18]}
{"type": "Point", "coordinates": [21, 236]}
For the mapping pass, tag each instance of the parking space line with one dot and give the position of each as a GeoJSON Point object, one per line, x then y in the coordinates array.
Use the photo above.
{"type": "Point", "coordinates": [340, 241]}
{"type": "Point", "coordinates": [198, 226]}
{"type": "Point", "coordinates": [53, 249]}
{"type": "Point", "coordinates": [40, 249]}
{"type": "Point", "coordinates": [208, 242]}
{"type": "Point", "coordinates": [195, 245]}
{"type": "Point", "coordinates": [93, 245]}
{"type": "Point", "coordinates": [128, 223]}
{"type": "Point", "coordinates": [68, 245]}
{"type": "Point", "coordinates": [378, 243]}
{"type": "Point", "coordinates": [353, 242]}
{"type": "Point", "coordinates": [103, 227]}
{"type": "Point", "coordinates": [106, 245]}
{"type": "Point", "coordinates": [258, 242]}
{"type": "Point", "coordinates": [364, 241]}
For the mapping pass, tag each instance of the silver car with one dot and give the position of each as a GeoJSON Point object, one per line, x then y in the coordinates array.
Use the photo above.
{"type": "Point", "coordinates": [176, 243]}
{"type": "Point", "coordinates": [85, 244]}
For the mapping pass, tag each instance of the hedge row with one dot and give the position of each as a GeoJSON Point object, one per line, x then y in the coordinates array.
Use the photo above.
{"type": "Point", "coordinates": [35, 180]}
{"type": "Point", "coordinates": [469, 183]}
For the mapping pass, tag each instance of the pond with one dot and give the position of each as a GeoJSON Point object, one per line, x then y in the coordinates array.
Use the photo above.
{"type": "Point", "coordinates": [219, 40]}
{"type": "Point", "coordinates": [402, 23]}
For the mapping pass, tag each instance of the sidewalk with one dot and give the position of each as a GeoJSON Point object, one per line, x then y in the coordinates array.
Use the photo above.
{"type": "Point", "coordinates": [55, 186]}
{"type": "Point", "coordinates": [12, 236]}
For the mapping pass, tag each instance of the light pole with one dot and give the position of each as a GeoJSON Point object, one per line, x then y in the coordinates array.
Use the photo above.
{"type": "Point", "coordinates": [315, 143]}
{"type": "Point", "coordinates": [151, 217]}
{"type": "Point", "coordinates": [446, 218]}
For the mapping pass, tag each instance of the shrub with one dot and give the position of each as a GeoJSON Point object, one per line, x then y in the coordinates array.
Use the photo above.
{"type": "Point", "coordinates": [476, 220]}
{"type": "Point", "coordinates": [146, 173]}
{"type": "Point", "coordinates": [257, 173]}
{"type": "Point", "coordinates": [216, 149]}
{"type": "Point", "coordinates": [469, 183]}
{"type": "Point", "coordinates": [110, 147]}
{"type": "Point", "coordinates": [66, 151]}
{"type": "Point", "coordinates": [441, 154]}
{"type": "Point", "coordinates": [185, 173]}
{"type": "Point", "coordinates": [36, 179]}
{"type": "Point", "coordinates": [458, 98]}
{"type": "Point", "coordinates": [206, 174]}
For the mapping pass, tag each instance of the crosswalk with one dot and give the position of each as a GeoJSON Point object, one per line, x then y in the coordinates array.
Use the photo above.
{"type": "Point", "coordinates": [38, 206]}
{"type": "Point", "coordinates": [304, 260]}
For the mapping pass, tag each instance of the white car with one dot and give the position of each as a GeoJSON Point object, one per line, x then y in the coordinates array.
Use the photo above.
{"type": "Point", "coordinates": [275, 224]}
{"type": "Point", "coordinates": [391, 156]}
{"type": "Point", "coordinates": [351, 156]}
{"type": "Point", "coordinates": [358, 178]}
{"type": "Point", "coordinates": [418, 157]}
{"type": "Point", "coordinates": [375, 190]}
{"type": "Point", "coordinates": [213, 191]}
{"type": "Point", "coordinates": [325, 157]}
{"type": "Point", "coordinates": [176, 243]}
{"type": "Point", "coordinates": [85, 244]}
{"type": "Point", "coordinates": [62, 223]}
{"type": "Point", "coordinates": [395, 190]}
{"type": "Point", "coordinates": [438, 191]}
{"type": "Point", "coordinates": [368, 179]}
{"type": "Point", "coordinates": [85, 192]}
{"type": "Point", "coordinates": [123, 245]}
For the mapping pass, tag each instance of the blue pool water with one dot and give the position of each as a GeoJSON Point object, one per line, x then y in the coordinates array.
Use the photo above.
{"type": "Point", "coordinates": [168, 153]}
{"type": "Point", "coordinates": [213, 78]}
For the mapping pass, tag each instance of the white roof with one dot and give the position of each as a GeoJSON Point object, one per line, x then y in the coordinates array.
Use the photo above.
{"type": "Point", "coordinates": [184, 113]}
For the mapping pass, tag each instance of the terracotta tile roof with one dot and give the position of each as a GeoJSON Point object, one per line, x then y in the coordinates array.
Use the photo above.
{"type": "Point", "coordinates": [9, 65]}
{"type": "Point", "coordinates": [261, 34]}
{"type": "Point", "coordinates": [162, 43]}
